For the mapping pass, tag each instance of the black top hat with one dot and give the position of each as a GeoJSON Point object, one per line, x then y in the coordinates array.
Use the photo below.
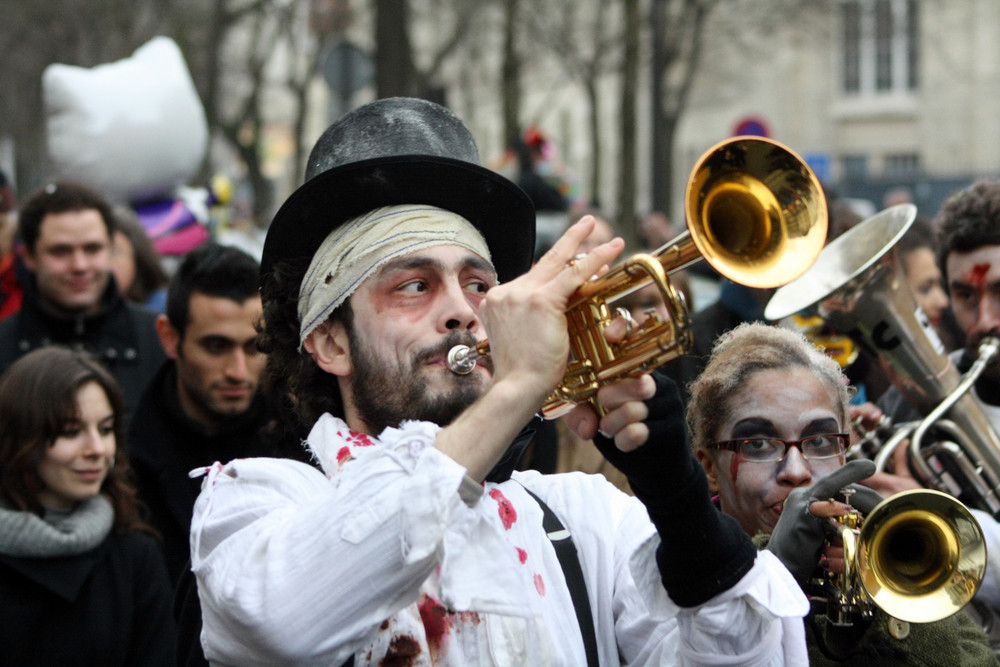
{"type": "Point", "coordinates": [402, 151]}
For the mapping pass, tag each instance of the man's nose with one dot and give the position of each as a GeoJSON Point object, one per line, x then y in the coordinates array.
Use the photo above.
{"type": "Point", "coordinates": [78, 260]}
{"type": "Point", "coordinates": [238, 367]}
{"type": "Point", "coordinates": [457, 312]}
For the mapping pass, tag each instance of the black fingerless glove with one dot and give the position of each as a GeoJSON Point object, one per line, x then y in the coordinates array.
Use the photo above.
{"type": "Point", "coordinates": [702, 551]}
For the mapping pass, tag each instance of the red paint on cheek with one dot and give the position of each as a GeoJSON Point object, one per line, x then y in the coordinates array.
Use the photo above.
{"type": "Point", "coordinates": [507, 513]}
{"type": "Point", "coordinates": [734, 467]}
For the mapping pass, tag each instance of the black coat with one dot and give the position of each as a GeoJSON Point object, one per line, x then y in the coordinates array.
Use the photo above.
{"type": "Point", "coordinates": [121, 334]}
{"type": "Point", "coordinates": [107, 607]}
{"type": "Point", "coordinates": [164, 445]}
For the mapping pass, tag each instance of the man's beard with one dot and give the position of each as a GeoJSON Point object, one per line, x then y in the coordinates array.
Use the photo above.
{"type": "Point", "coordinates": [386, 394]}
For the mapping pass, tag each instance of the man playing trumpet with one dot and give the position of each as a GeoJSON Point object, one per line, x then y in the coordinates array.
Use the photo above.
{"type": "Point", "coordinates": [415, 542]}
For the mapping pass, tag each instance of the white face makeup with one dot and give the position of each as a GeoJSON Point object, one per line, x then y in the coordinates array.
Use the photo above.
{"type": "Point", "coordinates": [787, 404]}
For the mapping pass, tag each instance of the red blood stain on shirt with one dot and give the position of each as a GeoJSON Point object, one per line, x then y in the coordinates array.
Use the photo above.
{"type": "Point", "coordinates": [437, 624]}
{"type": "Point", "coordinates": [522, 555]}
{"type": "Point", "coordinates": [469, 617]}
{"type": "Point", "coordinates": [343, 455]}
{"type": "Point", "coordinates": [403, 650]}
{"type": "Point", "coordinates": [359, 439]}
{"type": "Point", "coordinates": [508, 515]}
{"type": "Point", "coordinates": [540, 585]}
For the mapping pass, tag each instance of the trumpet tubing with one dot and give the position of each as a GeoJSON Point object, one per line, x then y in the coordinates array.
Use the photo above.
{"type": "Point", "coordinates": [755, 212]}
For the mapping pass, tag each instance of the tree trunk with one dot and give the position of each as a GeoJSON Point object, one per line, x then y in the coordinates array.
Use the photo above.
{"type": "Point", "coordinates": [395, 73]}
{"type": "Point", "coordinates": [660, 159]}
{"type": "Point", "coordinates": [596, 151]}
{"type": "Point", "coordinates": [511, 75]}
{"type": "Point", "coordinates": [626, 214]}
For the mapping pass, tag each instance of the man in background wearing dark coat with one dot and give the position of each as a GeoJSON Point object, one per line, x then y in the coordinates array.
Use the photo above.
{"type": "Point", "coordinates": [203, 405]}
{"type": "Point", "coordinates": [70, 297]}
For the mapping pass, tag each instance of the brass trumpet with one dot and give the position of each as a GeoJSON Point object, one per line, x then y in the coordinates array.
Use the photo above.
{"type": "Point", "coordinates": [755, 211]}
{"type": "Point", "coordinates": [920, 556]}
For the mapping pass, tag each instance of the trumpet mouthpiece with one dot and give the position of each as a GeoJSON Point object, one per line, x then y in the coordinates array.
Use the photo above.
{"type": "Point", "coordinates": [462, 359]}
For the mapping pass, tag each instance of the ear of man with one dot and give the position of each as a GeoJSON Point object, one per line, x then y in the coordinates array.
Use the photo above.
{"type": "Point", "coordinates": [170, 338]}
{"type": "Point", "coordinates": [330, 348]}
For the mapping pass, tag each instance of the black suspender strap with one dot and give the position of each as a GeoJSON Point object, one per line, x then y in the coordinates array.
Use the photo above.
{"type": "Point", "coordinates": [562, 541]}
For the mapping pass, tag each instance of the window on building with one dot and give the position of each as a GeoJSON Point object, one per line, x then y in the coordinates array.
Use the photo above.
{"type": "Point", "coordinates": [902, 164]}
{"type": "Point", "coordinates": [881, 46]}
{"type": "Point", "coordinates": [855, 167]}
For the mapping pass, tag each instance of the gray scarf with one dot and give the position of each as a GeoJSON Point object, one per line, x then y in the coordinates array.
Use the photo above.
{"type": "Point", "coordinates": [25, 534]}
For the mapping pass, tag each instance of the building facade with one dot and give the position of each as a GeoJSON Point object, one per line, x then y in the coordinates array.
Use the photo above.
{"type": "Point", "coordinates": [882, 97]}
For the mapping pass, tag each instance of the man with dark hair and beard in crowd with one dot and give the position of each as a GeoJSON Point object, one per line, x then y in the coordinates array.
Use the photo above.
{"type": "Point", "coordinates": [415, 542]}
{"type": "Point", "coordinates": [204, 404]}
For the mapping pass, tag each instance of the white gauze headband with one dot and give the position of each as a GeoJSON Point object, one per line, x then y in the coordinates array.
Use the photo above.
{"type": "Point", "coordinates": [354, 250]}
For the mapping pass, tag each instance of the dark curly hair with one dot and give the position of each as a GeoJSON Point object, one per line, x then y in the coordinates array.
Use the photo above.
{"type": "Point", "coordinates": [968, 220]}
{"type": "Point", "coordinates": [299, 389]}
{"type": "Point", "coordinates": [37, 398]}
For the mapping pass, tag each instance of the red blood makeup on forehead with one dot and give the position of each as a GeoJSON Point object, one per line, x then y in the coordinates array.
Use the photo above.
{"type": "Point", "coordinates": [977, 275]}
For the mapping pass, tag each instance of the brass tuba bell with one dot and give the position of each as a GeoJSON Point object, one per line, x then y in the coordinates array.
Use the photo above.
{"type": "Point", "coordinates": [755, 211]}
{"type": "Point", "coordinates": [858, 286]}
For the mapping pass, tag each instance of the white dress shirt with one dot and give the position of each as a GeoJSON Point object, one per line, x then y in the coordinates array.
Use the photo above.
{"type": "Point", "coordinates": [380, 557]}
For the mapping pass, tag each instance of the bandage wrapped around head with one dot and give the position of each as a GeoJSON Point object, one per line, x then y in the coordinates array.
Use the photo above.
{"type": "Point", "coordinates": [355, 250]}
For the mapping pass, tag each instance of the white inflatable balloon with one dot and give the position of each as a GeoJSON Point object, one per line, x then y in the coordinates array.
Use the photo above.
{"type": "Point", "coordinates": [134, 129]}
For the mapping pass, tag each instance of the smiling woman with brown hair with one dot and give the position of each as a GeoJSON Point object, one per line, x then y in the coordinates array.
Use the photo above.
{"type": "Point", "coordinates": [81, 577]}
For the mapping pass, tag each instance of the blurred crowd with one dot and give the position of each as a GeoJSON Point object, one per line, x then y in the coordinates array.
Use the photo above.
{"type": "Point", "coordinates": [124, 370]}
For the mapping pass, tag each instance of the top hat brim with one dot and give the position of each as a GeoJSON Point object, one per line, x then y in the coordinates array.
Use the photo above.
{"type": "Point", "coordinates": [500, 210]}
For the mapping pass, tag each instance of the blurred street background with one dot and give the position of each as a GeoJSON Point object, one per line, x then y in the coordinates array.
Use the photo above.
{"type": "Point", "coordinates": [887, 100]}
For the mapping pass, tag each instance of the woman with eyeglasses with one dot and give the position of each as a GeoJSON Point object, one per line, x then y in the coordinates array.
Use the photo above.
{"type": "Point", "coordinates": [768, 419]}
{"type": "Point", "coordinates": [82, 580]}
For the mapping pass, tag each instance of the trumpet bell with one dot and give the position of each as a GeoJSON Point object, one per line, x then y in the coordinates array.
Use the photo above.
{"type": "Point", "coordinates": [921, 556]}
{"type": "Point", "coordinates": [756, 211]}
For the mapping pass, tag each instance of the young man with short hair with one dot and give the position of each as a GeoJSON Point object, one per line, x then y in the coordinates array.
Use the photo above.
{"type": "Point", "coordinates": [204, 404]}
{"type": "Point", "coordinates": [71, 298]}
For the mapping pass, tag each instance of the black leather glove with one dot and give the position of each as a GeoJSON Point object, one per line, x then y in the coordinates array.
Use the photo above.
{"type": "Point", "coordinates": [798, 537]}
{"type": "Point", "coordinates": [702, 551]}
